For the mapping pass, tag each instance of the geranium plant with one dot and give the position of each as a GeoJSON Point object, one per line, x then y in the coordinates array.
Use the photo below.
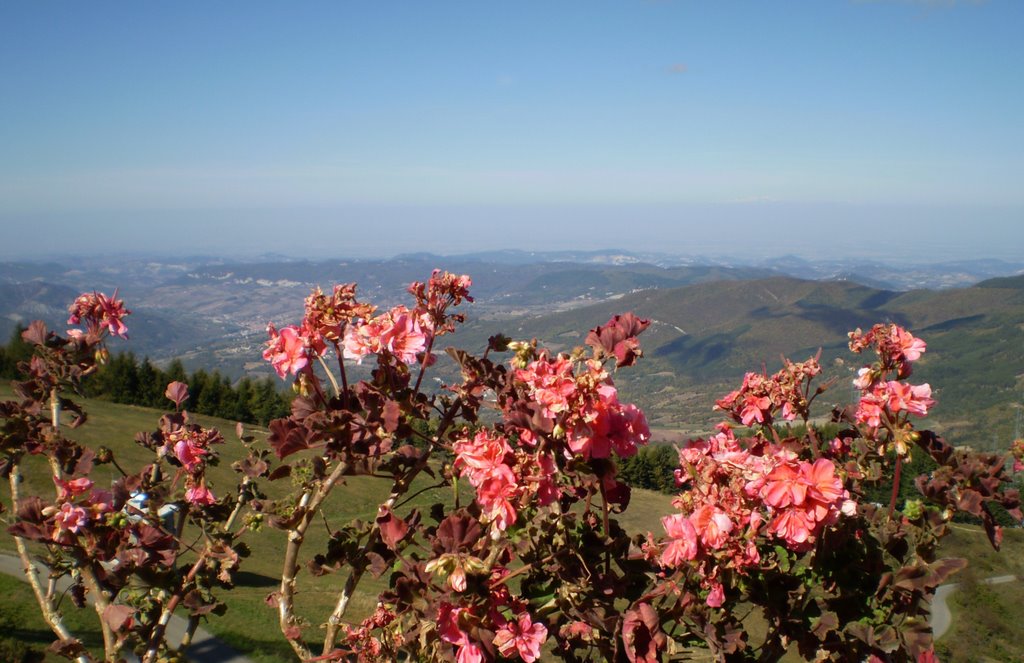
{"type": "Point", "coordinates": [771, 546]}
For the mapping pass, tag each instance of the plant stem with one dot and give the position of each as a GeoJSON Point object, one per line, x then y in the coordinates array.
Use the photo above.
{"type": "Point", "coordinates": [229, 523]}
{"type": "Point", "coordinates": [190, 632]}
{"type": "Point", "coordinates": [341, 371]}
{"type": "Point", "coordinates": [330, 376]}
{"type": "Point", "coordinates": [310, 503]}
{"type": "Point", "coordinates": [401, 487]}
{"type": "Point", "coordinates": [55, 423]}
{"type": "Point", "coordinates": [165, 616]}
{"type": "Point", "coordinates": [607, 528]}
{"type": "Point", "coordinates": [423, 364]}
{"type": "Point", "coordinates": [51, 615]}
{"type": "Point", "coordinates": [334, 621]}
{"type": "Point", "coordinates": [100, 602]}
{"type": "Point", "coordinates": [895, 484]}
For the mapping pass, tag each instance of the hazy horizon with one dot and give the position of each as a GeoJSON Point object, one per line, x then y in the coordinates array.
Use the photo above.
{"type": "Point", "coordinates": [919, 236]}
{"type": "Point", "coordinates": [886, 129]}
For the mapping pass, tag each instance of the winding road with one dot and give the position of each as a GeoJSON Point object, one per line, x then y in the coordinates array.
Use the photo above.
{"type": "Point", "coordinates": [942, 618]}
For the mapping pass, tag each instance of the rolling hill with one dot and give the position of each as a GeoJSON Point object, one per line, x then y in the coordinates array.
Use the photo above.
{"type": "Point", "coordinates": [703, 338]}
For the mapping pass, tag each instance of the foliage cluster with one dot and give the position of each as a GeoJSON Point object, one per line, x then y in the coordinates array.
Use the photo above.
{"type": "Point", "coordinates": [771, 526]}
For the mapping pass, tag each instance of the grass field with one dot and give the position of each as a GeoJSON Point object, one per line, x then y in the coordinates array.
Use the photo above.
{"type": "Point", "coordinates": [986, 619]}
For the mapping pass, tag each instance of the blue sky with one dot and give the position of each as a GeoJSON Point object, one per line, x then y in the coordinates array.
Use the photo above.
{"type": "Point", "coordinates": [371, 128]}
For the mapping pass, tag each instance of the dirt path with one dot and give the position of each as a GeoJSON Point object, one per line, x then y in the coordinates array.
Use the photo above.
{"type": "Point", "coordinates": [942, 618]}
{"type": "Point", "coordinates": [205, 647]}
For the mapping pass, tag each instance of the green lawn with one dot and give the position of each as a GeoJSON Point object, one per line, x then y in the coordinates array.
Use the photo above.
{"type": "Point", "coordinates": [251, 626]}
{"type": "Point", "coordinates": [24, 636]}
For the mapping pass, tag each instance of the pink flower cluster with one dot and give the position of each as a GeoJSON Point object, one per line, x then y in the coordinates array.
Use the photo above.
{"type": "Point", "coordinates": [504, 478]}
{"type": "Point", "coordinates": [190, 446]}
{"type": "Point", "coordinates": [81, 504]}
{"type": "Point", "coordinates": [361, 643]}
{"type": "Point", "coordinates": [97, 311]}
{"type": "Point", "coordinates": [736, 495]}
{"type": "Point", "coordinates": [896, 347]}
{"type": "Point", "coordinates": [327, 316]}
{"type": "Point", "coordinates": [521, 636]}
{"type": "Point", "coordinates": [442, 291]}
{"type": "Point", "coordinates": [518, 637]}
{"type": "Point", "coordinates": [585, 405]}
{"type": "Point", "coordinates": [340, 320]}
{"type": "Point", "coordinates": [803, 499]}
{"type": "Point", "coordinates": [1017, 450]}
{"type": "Point", "coordinates": [325, 321]}
{"type": "Point", "coordinates": [760, 397]}
{"type": "Point", "coordinates": [883, 399]}
{"type": "Point", "coordinates": [286, 350]}
{"type": "Point", "coordinates": [399, 332]}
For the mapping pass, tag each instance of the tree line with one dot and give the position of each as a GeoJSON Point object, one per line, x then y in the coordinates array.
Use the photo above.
{"type": "Point", "coordinates": [124, 379]}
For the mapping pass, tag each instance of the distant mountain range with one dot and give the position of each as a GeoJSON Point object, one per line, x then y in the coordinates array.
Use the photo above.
{"type": "Point", "coordinates": [712, 320]}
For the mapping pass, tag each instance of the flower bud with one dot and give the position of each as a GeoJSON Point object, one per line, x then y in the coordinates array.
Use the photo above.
{"type": "Point", "coordinates": [913, 509]}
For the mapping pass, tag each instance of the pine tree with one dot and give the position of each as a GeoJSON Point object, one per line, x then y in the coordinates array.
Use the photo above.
{"type": "Point", "coordinates": [16, 350]}
{"type": "Point", "coordinates": [151, 391]}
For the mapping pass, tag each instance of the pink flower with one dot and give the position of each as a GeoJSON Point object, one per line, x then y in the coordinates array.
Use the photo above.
{"type": "Point", "coordinates": [495, 496]}
{"type": "Point", "coordinates": [69, 518]}
{"type": "Point", "coordinates": [522, 636]}
{"type": "Point", "coordinates": [915, 399]}
{"type": "Point", "coordinates": [716, 597]}
{"type": "Point", "coordinates": [794, 526]}
{"type": "Point", "coordinates": [480, 457]}
{"type": "Point", "coordinates": [450, 631]}
{"type": "Point", "coordinates": [822, 482]}
{"type": "Point", "coordinates": [189, 453]}
{"type": "Point", "coordinates": [628, 430]}
{"type": "Point", "coordinates": [362, 339]}
{"type": "Point", "coordinates": [910, 347]}
{"type": "Point", "coordinates": [400, 332]}
{"type": "Point", "coordinates": [713, 524]}
{"type": "Point", "coordinates": [683, 543]}
{"type": "Point", "coordinates": [70, 489]}
{"type": "Point", "coordinates": [755, 409]}
{"type": "Point", "coordinates": [543, 479]}
{"type": "Point", "coordinates": [286, 350]}
{"type": "Point", "coordinates": [470, 653]}
{"type": "Point", "coordinates": [805, 499]}
{"type": "Point", "coordinates": [871, 406]}
{"type": "Point", "coordinates": [404, 337]}
{"type": "Point", "coordinates": [785, 486]}
{"type": "Point", "coordinates": [448, 624]}
{"type": "Point", "coordinates": [551, 383]}
{"type": "Point", "coordinates": [200, 495]}
{"type": "Point", "coordinates": [97, 311]}
{"type": "Point", "coordinates": [608, 425]}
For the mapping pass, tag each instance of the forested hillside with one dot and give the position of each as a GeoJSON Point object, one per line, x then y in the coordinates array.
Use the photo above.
{"type": "Point", "coordinates": [703, 338]}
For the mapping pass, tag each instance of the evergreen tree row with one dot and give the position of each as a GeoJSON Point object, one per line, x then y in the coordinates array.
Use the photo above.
{"type": "Point", "coordinates": [16, 350]}
{"type": "Point", "coordinates": [123, 379]}
{"type": "Point", "coordinates": [652, 467]}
